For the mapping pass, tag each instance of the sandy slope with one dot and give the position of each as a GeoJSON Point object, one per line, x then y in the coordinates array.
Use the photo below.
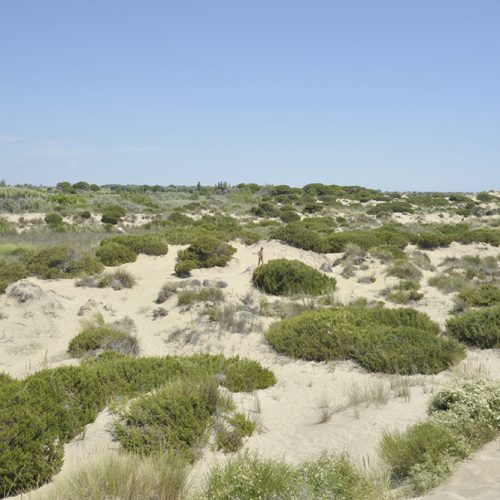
{"type": "Point", "coordinates": [36, 332]}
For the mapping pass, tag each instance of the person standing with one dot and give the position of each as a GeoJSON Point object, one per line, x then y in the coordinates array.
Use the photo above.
{"type": "Point", "coordinates": [260, 255]}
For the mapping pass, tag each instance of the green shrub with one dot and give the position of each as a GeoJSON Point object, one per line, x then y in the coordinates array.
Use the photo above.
{"type": "Point", "coordinates": [289, 216]}
{"type": "Point", "coordinates": [53, 219]}
{"type": "Point", "coordinates": [61, 262]}
{"type": "Point", "coordinates": [230, 433]}
{"type": "Point", "coordinates": [148, 244]}
{"type": "Point", "coordinates": [173, 418]}
{"type": "Point", "coordinates": [336, 477]}
{"type": "Point", "coordinates": [404, 270]}
{"type": "Point", "coordinates": [184, 267]}
{"type": "Point", "coordinates": [249, 477]}
{"type": "Point", "coordinates": [290, 277]}
{"type": "Point", "coordinates": [405, 292]}
{"type": "Point", "coordinates": [115, 254]}
{"type": "Point", "coordinates": [482, 296]}
{"type": "Point", "coordinates": [479, 328]}
{"type": "Point", "coordinates": [209, 294]}
{"type": "Point", "coordinates": [205, 251]}
{"type": "Point", "coordinates": [265, 209]}
{"type": "Point", "coordinates": [117, 280]}
{"type": "Point", "coordinates": [6, 227]}
{"type": "Point", "coordinates": [112, 214]}
{"type": "Point", "coordinates": [423, 448]}
{"type": "Point", "coordinates": [10, 273]}
{"type": "Point", "coordinates": [99, 338]}
{"type": "Point", "coordinates": [388, 340]}
{"type": "Point", "coordinates": [463, 416]}
{"type": "Point", "coordinates": [45, 410]}
{"type": "Point", "coordinates": [449, 282]}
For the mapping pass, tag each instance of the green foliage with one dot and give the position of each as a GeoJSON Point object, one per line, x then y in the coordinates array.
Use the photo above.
{"type": "Point", "coordinates": [10, 272]}
{"type": "Point", "coordinates": [61, 262]}
{"type": "Point", "coordinates": [53, 219]}
{"type": "Point", "coordinates": [209, 294]}
{"type": "Point", "coordinates": [481, 296]}
{"type": "Point", "coordinates": [405, 292]}
{"type": "Point", "coordinates": [231, 431]}
{"type": "Point", "coordinates": [302, 234]}
{"type": "Point", "coordinates": [463, 416]}
{"type": "Point", "coordinates": [112, 214]}
{"type": "Point", "coordinates": [248, 477]}
{"type": "Point", "coordinates": [173, 418]}
{"type": "Point", "coordinates": [291, 277]}
{"type": "Point", "coordinates": [404, 270]}
{"type": "Point", "coordinates": [6, 227]}
{"type": "Point", "coordinates": [116, 280]}
{"type": "Point", "coordinates": [95, 339]}
{"type": "Point", "coordinates": [148, 244]}
{"type": "Point", "coordinates": [265, 209]}
{"type": "Point", "coordinates": [205, 251]}
{"type": "Point", "coordinates": [480, 328]}
{"type": "Point", "coordinates": [115, 254]}
{"type": "Point", "coordinates": [45, 410]}
{"type": "Point", "coordinates": [387, 340]}
{"type": "Point", "coordinates": [289, 216]}
{"type": "Point", "coordinates": [384, 209]}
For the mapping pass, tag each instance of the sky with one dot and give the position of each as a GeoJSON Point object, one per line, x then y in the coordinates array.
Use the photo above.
{"type": "Point", "coordinates": [388, 94]}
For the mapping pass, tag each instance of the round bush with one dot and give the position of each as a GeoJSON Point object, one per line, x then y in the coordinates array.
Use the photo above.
{"type": "Point", "coordinates": [478, 328]}
{"type": "Point", "coordinates": [53, 219]}
{"type": "Point", "coordinates": [204, 251]}
{"type": "Point", "coordinates": [290, 277]}
{"type": "Point", "coordinates": [113, 214]}
{"type": "Point", "coordinates": [102, 338]}
{"type": "Point", "coordinates": [388, 340]}
{"type": "Point", "coordinates": [114, 254]}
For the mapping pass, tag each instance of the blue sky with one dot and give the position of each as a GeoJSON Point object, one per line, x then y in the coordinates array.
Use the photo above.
{"type": "Point", "coordinates": [391, 94]}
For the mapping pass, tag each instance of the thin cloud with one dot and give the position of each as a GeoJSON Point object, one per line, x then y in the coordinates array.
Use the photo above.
{"type": "Point", "coordinates": [9, 139]}
{"type": "Point", "coordinates": [137, 149]}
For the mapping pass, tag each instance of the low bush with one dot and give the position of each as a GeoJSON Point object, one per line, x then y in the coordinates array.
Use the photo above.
{"type": "Point", "coordinates": [463, 417]}
{"type": "Point", "coordinates": [148, 244]}
{"type": "Point", "coordinates": [61, 262]}
{"type": "Point", "coordinates": [248, 477]}
{"type": "Point", "coordinates": [112, 214]}
{"type": "Point", "coordinates": [115, 254]}
{"type": "Point", "coordinates": [203, 252]}
{"type": "Point", "coordinates": [53, 219]}
{"type": "Point", "coordinates": [95, 339]}
{"type": "Point", "coordinates": [289, 216]}
{"type": "Point", "coordinates": [45, 410]}
{"type": "Point", "coordinates": [10, 272]}
{"type": "Point", "coordinates": [388, 340]}
{"type": "Point", "coordinates": [173, 418]}
{"type": "Point", "coordinates": [117, 280]}
{"type": "Point", "coordinates": [291, 277]}
{"type": "Point", "coordinates": [404, 293]}
{"type": "Point", "coordinates": [209, 294]}
{"type": "Point", "coordinates": [166, 291]}
{"type": "Point", "coordinates": [404, 270]}
{"type": "Point", "coordinates": [480, 328]}
{"type": "Point", "coordinates": [6, 227]}
{"type": "Point", "coordinates": [449, 282]}
{"type": "Point", "coordinates": [485, 295]}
